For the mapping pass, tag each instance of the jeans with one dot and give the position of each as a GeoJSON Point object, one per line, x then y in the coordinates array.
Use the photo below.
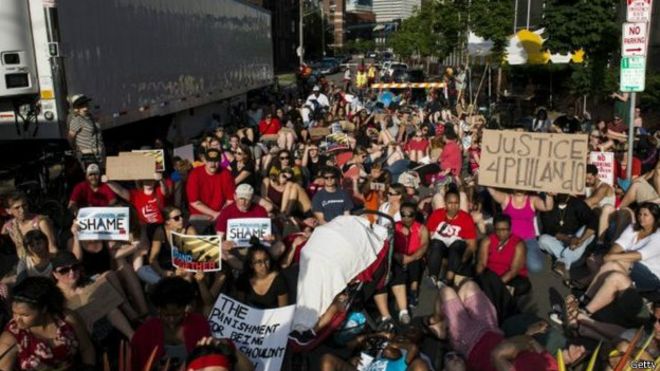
{"type": "Point", "coordinates": [560, 249]}
{"type": "Point", "coordinates": [535, 257]}
{"type": "Point", "coordinates": [148, 274]}
{"type": "Point", "coordinates": [644, 279]}
{"type": "Point", "coordinates": [438, 251]}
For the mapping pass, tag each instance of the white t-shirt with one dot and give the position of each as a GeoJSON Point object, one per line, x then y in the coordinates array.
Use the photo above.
{"type": "Point", "coordinates": [648, 247]}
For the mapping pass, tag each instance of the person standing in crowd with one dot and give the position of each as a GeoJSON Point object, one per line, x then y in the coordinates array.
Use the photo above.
{"type": "Point", "coordinates": [522, 208]}
{"type": "Point", "coordinates": [42, 333]}
{"type": "Point", "coordinates": [331, 201]}
{"type": "Point", "coordinates": [209, 189]}
{"type": "Point", "coordinates": [23, 221]}
{"type": "Point", "coordinates": [453, 241]}
{"type": "Point", "coordinates": [567, 231]}
{"type": "Point", "coordinates": [85, 133]}
{"type": "Point", "coordinates": [174, 331]}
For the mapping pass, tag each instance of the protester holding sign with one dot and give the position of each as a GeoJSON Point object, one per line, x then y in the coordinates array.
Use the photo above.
{"type": "Point", "coordinates": [160, 253]}
{"type": "Point", "coordinates": [209, 189]}
{"type": "Point", "coordinates": [243, 209]}
{"type": "Point", "coordinates": [148, 198]}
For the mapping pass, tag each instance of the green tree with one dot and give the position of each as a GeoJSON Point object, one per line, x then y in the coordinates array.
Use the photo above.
{"type": "Point", "coordinates": [591, 25]}
{"type": "Point", "coordinates": [492, 19]}
{"type": "Point", "coordinates": [312, 35]}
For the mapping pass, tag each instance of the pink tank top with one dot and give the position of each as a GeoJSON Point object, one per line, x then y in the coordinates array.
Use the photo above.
{"type": "Point", "coordinates": [522, 220]}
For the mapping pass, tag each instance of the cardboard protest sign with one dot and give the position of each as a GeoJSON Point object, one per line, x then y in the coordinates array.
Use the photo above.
{"type": "Point", "coordinates": [195, 253]}
{"type": "Point", "coordinates": [130, 166]}
{"type": "Point", "coordinates": [103, 223]}
{"type": "Point", "coordinates": [604, 161]}
{"type": "Point", "coordinates": [319, 132]}
{"type": "Point", "coordinates": [541, 162]}
{"type": "Point", "coordinates": [156, 154]}
{"type": "Point", "coordinates": [186, 152]}
{"type": "Point", "coordinates": [260, 334]}
{"type": "Point", "coordinates": [241, 230]}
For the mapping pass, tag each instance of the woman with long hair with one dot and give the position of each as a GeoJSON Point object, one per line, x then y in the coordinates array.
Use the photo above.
{"type": "Point", "coordinates": [264, 287]}
{"type": "Point", "coordinates": [42, 333]}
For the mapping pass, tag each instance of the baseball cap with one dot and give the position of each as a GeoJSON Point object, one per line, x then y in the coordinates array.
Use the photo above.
{"type": "Point", "coordinates": [316, 88]}
{"type": "Point", "coordinates": [409, 179]}
{"type": "Point", "coordinates": [212, 154]}
{"type": "Point", "coordinates": [78, 100]}
{"type": "Point", "coordinates": [93, 169]}
{"type": "Point", "coordinates": [64, 258]}
{"type": "Point", "coordinates": [244, 191]}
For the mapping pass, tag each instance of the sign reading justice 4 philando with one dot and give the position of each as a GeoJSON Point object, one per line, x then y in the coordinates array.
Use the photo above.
{"type": "Point", "coordinates": [534, 161]}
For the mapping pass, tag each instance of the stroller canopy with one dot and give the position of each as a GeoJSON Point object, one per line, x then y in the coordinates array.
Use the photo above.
{"type": "Point", "coordinates": [334, 255]}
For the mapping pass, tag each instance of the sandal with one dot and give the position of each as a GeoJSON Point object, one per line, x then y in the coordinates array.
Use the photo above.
{"type": "Point", "coordinates": [571, 312]}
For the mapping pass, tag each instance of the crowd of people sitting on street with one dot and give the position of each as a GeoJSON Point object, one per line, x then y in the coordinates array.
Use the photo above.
{"type": "Point", "coordinates": [305, 160]}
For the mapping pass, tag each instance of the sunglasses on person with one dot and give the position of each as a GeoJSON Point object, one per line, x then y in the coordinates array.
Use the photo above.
{"type": "Point", "coordinates": [239, 153]}
{"type": "Point", "coordinates": [176, 217]}
{"type": "Point", "coordinates": [393, 194]}
{"type": "Point", "coordinates": [285, 157]}
{"type": "Point", "coordinates": [66, 270]}
{"type": "Point", "coordinates": [328, 177]}
{"type": "Point", "coordinates": [407, 215]}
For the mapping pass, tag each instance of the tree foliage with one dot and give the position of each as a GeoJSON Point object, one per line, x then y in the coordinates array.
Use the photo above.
{"type": "Point", "coordinates": [493, 19]}
{"type": "Point", "coordinates": [591, 25]}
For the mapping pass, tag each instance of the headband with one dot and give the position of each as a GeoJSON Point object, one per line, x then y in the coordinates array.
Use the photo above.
{"type": "Point", "coordinates": [209, 361]}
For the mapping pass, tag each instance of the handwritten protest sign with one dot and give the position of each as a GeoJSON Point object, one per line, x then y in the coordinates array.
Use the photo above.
{"type": "Point", "coordinates": [195, 253]}
{"type": "Point", "coordinates": [260, 334]}
{"type": "Point", "coordinates": [130, 166]}
{"type": "Point", "coordinates": [103, 223]}
{"type": "Point", "coordinates": [156, 154]}
{"type": "Point", "coordinates": [534, 161]}
{"type": "Point", "coordinates": [241, 230]}
{"type": "Point", "coordinates": [604, 161]}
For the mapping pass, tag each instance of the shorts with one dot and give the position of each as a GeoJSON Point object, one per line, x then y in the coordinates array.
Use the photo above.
{"type": "Point", "coordinates": [468, 320]}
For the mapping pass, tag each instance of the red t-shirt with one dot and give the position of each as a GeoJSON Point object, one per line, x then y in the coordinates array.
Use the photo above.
{"type": "Point", "coordinates": [623, 174]}
{"type": "Point", "coordinates": [84, 196]}
{"type": "Point", "coordinates": [533, 361]}
{"type": "Point", "coordinates": [212, 190]}
{"type": "Point", "coordinates": [232, 212]}
{"type": "Point", "coordinates": [451, 158]}
{"type": "Point", "coordinates": [461, 227]}
{"type": "Point", "coordinates": [148, 206]}
{"type": "Point", "coordinates": [273, 127]}
{"type": "Point", "coordinates": [417, 145]}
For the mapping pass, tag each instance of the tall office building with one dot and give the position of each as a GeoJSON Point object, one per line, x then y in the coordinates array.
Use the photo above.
{"type": "Point", "coordinates": [390, 10]}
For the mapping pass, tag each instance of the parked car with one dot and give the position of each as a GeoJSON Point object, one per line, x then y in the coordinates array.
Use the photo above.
{"type": "Point", "coordinates": [405, 75]}
{"type": "Point", "coordinates": [372, 54]}
{"type": "Point", "coordinates": [327, 66]}
{"type": "Point", "coordinates": [389, 67]}
{"type": "Point", "coordinates": [343, 58]}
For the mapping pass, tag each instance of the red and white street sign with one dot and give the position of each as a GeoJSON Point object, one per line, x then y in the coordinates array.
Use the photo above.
{"type": "Point", "coordinates": [633, 42]}
{"type": "Point", "coordinates": [639, 10]}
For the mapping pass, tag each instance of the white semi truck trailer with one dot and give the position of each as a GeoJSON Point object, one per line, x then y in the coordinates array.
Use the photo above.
{"type": "Point", "coordinates": [136, 59]}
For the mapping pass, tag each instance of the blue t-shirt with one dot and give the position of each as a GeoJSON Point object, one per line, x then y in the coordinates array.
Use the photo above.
{"type": "Point", "coordinates": [331, 204]}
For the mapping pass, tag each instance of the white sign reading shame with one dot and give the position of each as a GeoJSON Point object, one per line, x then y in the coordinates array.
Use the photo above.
{"type": "Point", "coordinates": [241, 230]}
{"type": "Point", "coordinates": [260, 334]}
{"type": "Point", "coordinates": [103, 223]}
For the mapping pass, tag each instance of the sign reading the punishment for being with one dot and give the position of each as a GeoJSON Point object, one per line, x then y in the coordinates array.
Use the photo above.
{"type": "Point", "coordinates": [534, 161]}
{"type": "Point", "coordinates": [242, 230]}
{"type": "Point", "coordinates": [260, 334]}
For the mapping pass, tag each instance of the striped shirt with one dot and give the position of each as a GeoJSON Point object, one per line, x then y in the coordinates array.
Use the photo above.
{"type": "Point", "coordinates": [89, 139]}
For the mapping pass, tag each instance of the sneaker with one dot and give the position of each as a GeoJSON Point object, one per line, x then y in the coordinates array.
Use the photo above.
{"type": "Point", "coordinates": [413, 301]}
{"type": "Point", "coordinates": [404, 317]}
{"type": "Point", "coordinates": [385, 324]}
{"type": "Point", "coordinates": [302, 338]}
